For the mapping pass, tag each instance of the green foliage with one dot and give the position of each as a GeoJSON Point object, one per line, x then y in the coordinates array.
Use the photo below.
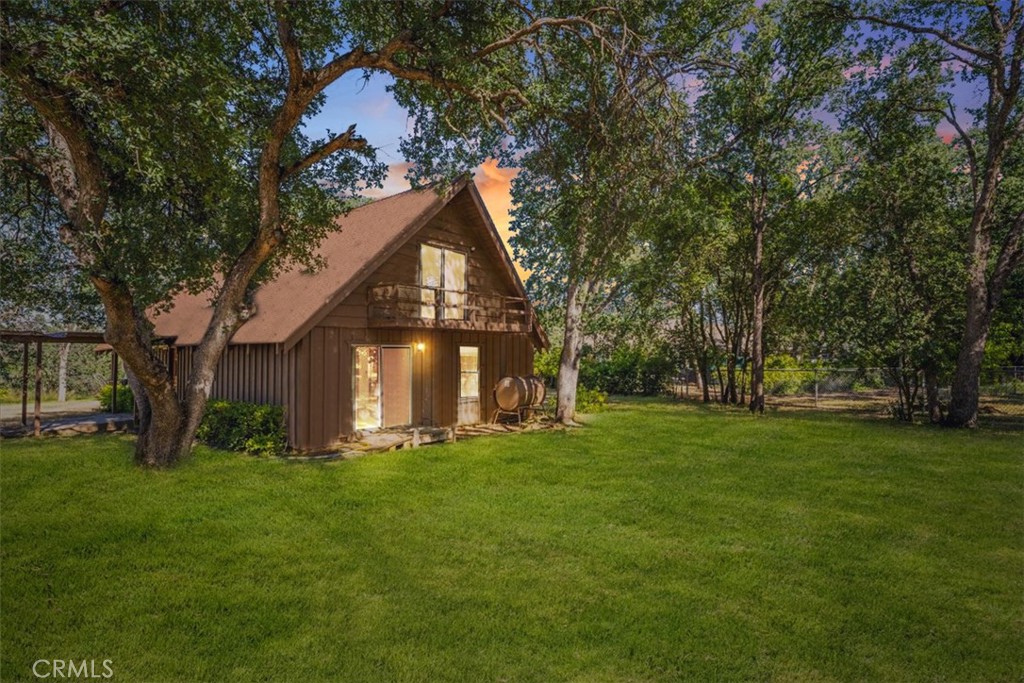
{"type": "Point", "coordinates": [868, 380]}
{"type": "Point", "coordinates": [625, 370]}
{"type": "Point", "coordinates": [545, 364]}
{"type": "Point", "coordinates": [87, 370]}
{"type": "Point", "coordinates": [125, 399]}
{"type": "Point", "coordinates": [247, 427]}
{"type": "Point", "coordinates": [629, 371]}
{"type": "Point", "coordinates": [783, 375]}
{"type": "Point", "coordinates": [590, 400]}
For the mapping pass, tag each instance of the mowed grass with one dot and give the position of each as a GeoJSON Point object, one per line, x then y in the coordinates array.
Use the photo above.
{"type": "Point", "coordinates": [659, 542]}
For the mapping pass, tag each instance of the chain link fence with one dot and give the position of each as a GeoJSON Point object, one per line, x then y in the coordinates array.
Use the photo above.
{"type": "Point", "coordinates": [861, 390]}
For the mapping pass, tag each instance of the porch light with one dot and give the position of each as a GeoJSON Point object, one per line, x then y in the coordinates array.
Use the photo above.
{"type": "Point", "coordinates": [420, 346]}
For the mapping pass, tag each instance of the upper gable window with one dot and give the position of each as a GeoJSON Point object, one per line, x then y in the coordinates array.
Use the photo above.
{"type": "Point", "coordinates": [442, 269]}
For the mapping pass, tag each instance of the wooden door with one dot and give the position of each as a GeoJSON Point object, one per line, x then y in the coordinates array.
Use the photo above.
{"type": "Point", "coordinates": [396, 386]}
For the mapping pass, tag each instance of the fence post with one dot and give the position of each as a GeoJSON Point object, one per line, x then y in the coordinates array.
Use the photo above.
{"type": "Point", "coordinates": [37, 421]}
{"type": "Point", "coordinates": [24, 388]}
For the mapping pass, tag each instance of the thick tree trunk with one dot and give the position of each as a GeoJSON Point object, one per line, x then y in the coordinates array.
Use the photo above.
{"type": "Point", "coordinates": [62, 371]}
{"type": "Point", "coordinates": [160, 439]}
{"type": "Point", "coordinates": [757, 318]}
{"type": "Point", "coordinates": [569, 364]}
{"type": "Point", "coordinates": [965, 387]}
{"type": "Point", "coordinates": [705, 380]}
{"type": "Point", "coordinates": [931, 390]}
{"type": "Point", "coordinates": [983, 293]}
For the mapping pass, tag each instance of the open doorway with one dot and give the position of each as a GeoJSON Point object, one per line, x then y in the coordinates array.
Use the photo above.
{"type": "Point", "coordinates": [382, 386]}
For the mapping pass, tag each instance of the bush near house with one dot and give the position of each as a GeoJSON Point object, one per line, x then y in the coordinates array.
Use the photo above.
{"type": "Point", "coordinates": [249, 427]}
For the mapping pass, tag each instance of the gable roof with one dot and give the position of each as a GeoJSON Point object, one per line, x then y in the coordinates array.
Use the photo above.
{"type": "Point", "coordinates": [297, 300]}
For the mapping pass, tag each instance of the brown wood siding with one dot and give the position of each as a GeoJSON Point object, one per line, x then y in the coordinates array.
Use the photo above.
{"type": "Point", "coordinates": [452, 228]}
{"type": "Point", "coordinates": [247, 372]}
{"type": "Point", "coordinates": [313, 380]}
{"type": "Point", "coordinates": [324, 403]}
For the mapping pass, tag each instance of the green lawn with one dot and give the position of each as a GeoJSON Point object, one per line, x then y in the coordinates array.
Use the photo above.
{"type": "Point", "coordinates": [660, 542]}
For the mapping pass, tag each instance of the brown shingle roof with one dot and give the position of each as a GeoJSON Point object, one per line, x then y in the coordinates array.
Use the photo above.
{"type": "Point", "coordinates": [286, 306]}
{"type": "Point", "coordinates": [286, 303]}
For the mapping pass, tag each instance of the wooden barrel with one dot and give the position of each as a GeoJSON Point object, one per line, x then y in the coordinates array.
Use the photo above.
{"type": "Point", "coordinates": [539, 390]}
{"type": "Point", "coordinates": [512, 393]}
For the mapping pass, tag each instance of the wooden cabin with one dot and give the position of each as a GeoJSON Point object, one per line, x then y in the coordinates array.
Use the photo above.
{"type": "Point", "coordinates": [416, 315]}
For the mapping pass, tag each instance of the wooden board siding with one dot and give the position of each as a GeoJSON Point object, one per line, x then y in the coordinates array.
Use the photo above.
{"type": "Point", "coordinates": [452, 228]}
{"type": "Point", "coordinates": [254, 373]}
{"type": "Point", "coordinates": [324, 405]}
{"type": "Point", "coordinates": [313, 380]}
{"type": "Point", "coordinates": [247, 372]}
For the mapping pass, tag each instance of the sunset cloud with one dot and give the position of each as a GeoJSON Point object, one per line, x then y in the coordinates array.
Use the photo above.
{"type": "Point", "coordinates": [495, 185]}
{"type": "Point", "coordinates": [394, 183]}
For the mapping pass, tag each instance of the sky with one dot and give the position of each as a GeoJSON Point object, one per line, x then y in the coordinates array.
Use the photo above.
{"type": "Point", "coordinates": [383, 122]}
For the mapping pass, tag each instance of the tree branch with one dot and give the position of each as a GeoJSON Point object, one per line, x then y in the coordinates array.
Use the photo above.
{"type": "Point", "coordinates": [1010, 257]}
{"type": "Point", "coordinates": [346, 140]}
{"type": "Point", "coordinates": [946, 38]}
{"type": "Point", "coordinates": [539, 24]}
{"type": "Point", "coordinates": [290, 45]}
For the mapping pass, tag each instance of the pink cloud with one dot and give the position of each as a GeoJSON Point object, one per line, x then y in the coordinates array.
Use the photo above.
{"type": "Point", "coordinates": [495, 186]}
{"type": "Point", "coordinates": [868, 70]}
{"type": "Point", "coordinates": [394, 183]}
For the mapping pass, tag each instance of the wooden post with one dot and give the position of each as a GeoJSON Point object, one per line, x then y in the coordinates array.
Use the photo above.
{"type": "Point", "coordinates": [172, 361]}
{"type": "Point", "coordinates": [24, 387]}
{"type": "Point", "coordinates": [37, 423]}
{"type": "Point", "coordinates": [113, 381]}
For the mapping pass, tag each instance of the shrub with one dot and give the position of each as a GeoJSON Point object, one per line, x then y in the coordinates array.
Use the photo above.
{"type": "Point", "coordinates": [1007, 387]}
{"type": "Point", "coordinates": [590, 400]}
{"type": "Point", "coordinates": [249, 427]}
{"type": "Point", "coordinates": [125, 399]}
{"type": "Point", "coordinates": [629, 371]}
{"type": "Point", "coordinates": [868, 380]}
{"type": "Point", "coordinates": [545, 364]}
{"type": "Point", "coordinates": [784, 375]}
